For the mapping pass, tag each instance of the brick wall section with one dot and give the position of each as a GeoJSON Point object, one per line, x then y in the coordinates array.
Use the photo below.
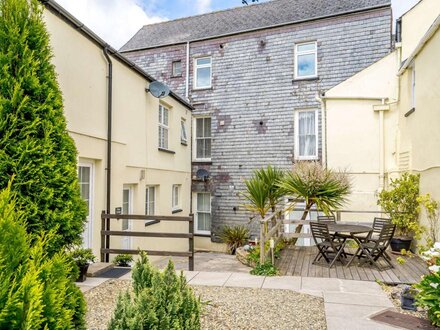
{"type": "Point", "coordinates": [254, 93]}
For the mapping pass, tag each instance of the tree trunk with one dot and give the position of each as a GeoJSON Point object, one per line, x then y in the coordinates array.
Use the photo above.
{"type": "Point", "coordinates": [299, 227]}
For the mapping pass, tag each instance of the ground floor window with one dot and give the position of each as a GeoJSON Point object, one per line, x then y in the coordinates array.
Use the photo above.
{"type": "Point", "coordinates": [176, 197]}
{"type": "Point", "coordinates": [203, 213]}
{"type": "Point", "coordinates": [85, 180]}
{"type": "Point", "coordinates": [150, 200]}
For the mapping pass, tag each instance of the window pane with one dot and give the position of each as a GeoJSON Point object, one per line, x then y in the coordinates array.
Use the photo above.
{"type": "Point", "coordinates": [202, 61]}
{"type": "Point", "coordinates": [307, 145]}
{"type": "Point", "coordinates": [306, 65]}
{"type": "Point", "coordinates": [200, 145]}
{"type": "Point", "coordinates": [160, 114]}
{"type": "Point", "coordinates": [199, 127]}
{"type": "Point", "coordinates": [203, 77]}
{"type": "Point", "coordinates": [306, 122]}
{"type": "Point", "coordinates": [306, 47]}
{"type": "Point", "coordinates": [207, 127]}
{"type": "Point", "coordinates": [204, 221]}
{"type": "Point", "coordinates": [183, 136]}
{"type": "Point", "coordinates": [165, 116]}
{"type": "Point", "coordinates": [207, 148]}
{"type": "Point", "coordinates": [177, 68]}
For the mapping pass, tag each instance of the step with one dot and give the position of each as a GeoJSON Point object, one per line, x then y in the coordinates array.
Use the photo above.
{"type": "Point", "coordinates": [98, 268]}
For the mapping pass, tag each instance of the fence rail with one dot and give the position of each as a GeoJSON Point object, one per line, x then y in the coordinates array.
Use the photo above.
{"type": "Point", "coordinates": [106, 233]}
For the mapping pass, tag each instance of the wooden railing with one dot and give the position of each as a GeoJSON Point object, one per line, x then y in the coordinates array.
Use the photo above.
{"type": "Point", "coordinates": [106, 232]}
{"type": "Point", "coordinates": [270, 229]}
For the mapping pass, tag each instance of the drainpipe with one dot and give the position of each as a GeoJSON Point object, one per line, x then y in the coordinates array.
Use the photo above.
{"type": "Point", "coordinates": [382, 149]}
{"type": "Point", "coordinates": [109, 145]}
{"type": "Point", "coordinates": [324, 128]}
{"type": "Point", "coordinates": [187, 72]}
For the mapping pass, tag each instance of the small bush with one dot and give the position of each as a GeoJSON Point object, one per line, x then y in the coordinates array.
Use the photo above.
{"type": "Point", "coordinates": [123, 260]}
{"type": "Point", "coordinates": [234, 236]}
{"type": "Point", "coordinates": [266, 269]}
{"type": "Point", "coordinates": [36, 290]}
{"type": "Point", "coordinates": [160, 300]}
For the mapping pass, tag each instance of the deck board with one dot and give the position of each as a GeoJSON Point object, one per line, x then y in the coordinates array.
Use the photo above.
{"type": "Point", "coordinates": [297, 261]}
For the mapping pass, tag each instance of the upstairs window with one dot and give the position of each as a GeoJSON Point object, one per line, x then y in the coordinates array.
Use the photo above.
{"type": "Point", "coordinates": [306, 134]}
{"type": "Point", "coordinates": [203, 139]}
{"type": "Point", "coordinates": [163, 127]}
{"type": "Point", "coordinates": [202, 72]}
{"type": "Point", "coordinates": [177, 69]}
{"type": "Point", "coordinates": [305, 60]}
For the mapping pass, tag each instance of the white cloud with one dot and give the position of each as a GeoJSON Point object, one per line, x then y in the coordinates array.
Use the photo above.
{"type": "Point", "coordinates": [115, 21]}
{"type": "Point", "coordinates": [400, 7]}
{"type": "Point", "coordinates": [203, 6]}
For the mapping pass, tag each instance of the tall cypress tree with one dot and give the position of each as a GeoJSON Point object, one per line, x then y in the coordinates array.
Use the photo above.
{"type": "Point", "coordinates": [34, 142]}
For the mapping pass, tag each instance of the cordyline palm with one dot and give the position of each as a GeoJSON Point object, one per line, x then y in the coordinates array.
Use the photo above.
{"type": "Point", "coordinates": [262, 190]}
{"type": "Point", "coordinates": [316, 186]}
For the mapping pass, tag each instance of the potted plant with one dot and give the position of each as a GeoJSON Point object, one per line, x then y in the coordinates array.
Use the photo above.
{"type": "Point", "coordinates": [402, 204]}
{"type": "Point", "coordinates": [82, 258]}
{"type": "Point", "coordinates": [234, 237]}
{"type": "Point", "coordinates": [123, 260]}
{"type": "Point", "coordinates": [408, 298]}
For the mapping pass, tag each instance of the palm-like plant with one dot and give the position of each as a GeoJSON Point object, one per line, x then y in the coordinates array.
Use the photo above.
{"type": "Point", "coordinates": [316, 185]}
{"type": "Point", "coordinates": [262, 190]}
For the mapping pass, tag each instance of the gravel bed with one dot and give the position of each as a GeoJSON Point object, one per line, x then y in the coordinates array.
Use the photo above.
{"type": "Point", "coordinates": [225, 308]}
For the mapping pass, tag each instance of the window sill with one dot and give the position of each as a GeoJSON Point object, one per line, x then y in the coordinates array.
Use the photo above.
{"type": "Point", "coordinates": [183, 143]}
{"type": "Point", "coordinates": [307, 158]}
{"type": "Point", "coordinates": [202, 89]}
{"type": "Point", "coordinates": [202, 162]}
{"type": "Point", "coordinates": [202, 234]}
{"type": "Point", "coordinates": [305, 79]}
{"type": "Point", "coordinates": [151, 222]}
{"type": "Point", "coordinates": [411, 111]}
{"type": "Point", "coordinates": [176, 211]}
{"type": "Point", "coordinates": [179, 76]}
{"type": "Point", "coordinates": [166, 150]}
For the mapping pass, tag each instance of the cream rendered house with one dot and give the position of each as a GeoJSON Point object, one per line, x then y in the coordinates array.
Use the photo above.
{"type": "Point", "coordinates": [385, 120]}
{"type": "Point", "coordinates": [150, 137]}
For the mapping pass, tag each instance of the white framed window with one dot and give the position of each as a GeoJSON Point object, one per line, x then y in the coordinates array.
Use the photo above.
{"type": "Point", "coordinates": [202, 215]}
{"type": "Point", "coordinates": [183, 134]}
{"type": "Point", "coordinates": [176, 69]}
{"type": "Point", "coordinates": [85, 181]}
{"type": "Point", "coordinates": [175, 205]}
{"type": "Point", "coordinates": [306, 134]}
{"type": "Point", "coordinates": [202, 72]}
{"type": "Point", "coordinates": [306, 59]}
{"type": "Point", "coordinates": [163, 126]}
{"type": "Point", "coordinates": [202, 136]}
{"type": "Point", "coordinates": [127, 208]}
{"type": "Point", "coordinates": [150, 200]}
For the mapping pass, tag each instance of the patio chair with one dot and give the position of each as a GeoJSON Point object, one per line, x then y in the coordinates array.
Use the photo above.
{"type": "Point", "coordinates": [326, 219]}
{"type": "Point", "coordinates": [378, 224]}
{"type": "Point", "coordinates": [326, 244]}
{"type": "Point", "coordinates": [374, 248]}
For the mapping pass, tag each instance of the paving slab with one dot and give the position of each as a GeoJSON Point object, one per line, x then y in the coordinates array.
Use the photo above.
{"type": "Point", "coordinates": [321, 284]}
{"type": "Point", "coordinates": [97, 268]}
{"type": "Point", "coordinates": [350, 317]}
{"type": "Point", "coordinates": [349, 298]}
{"type": "Point", "coordinates": [90, 283]}
{"type": "Point", "coordinates": [283, 283]}
{"type": "Point", "coordinates": [210, 278]}
{"type": "Point", "coordinates": [243, 280]}
{"type": "Point", "coordinates": [189, 275]}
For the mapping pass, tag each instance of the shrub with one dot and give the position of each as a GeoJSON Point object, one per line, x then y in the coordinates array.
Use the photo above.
{"type": "Point", "coordinates": [429, 287]}
{"type": "Point", "coordinates": [160, 300]}
{"type": "Point", "coordinates": [82, 256]}
{"type": "Point", "coordinates": [234, 236]}
{"type": "Point", "coordinates": [123, 260]}
{"type": "Point", "coordinates": [36, 290]}
{"type": "Point", "coordinates": [402, 204]}
{"type": "Point", "coordinates": [34, 143]}
{"type": "Point", "coordinates": [266, 269]}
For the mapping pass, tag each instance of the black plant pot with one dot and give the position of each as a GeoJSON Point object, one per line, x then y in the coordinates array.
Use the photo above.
{"type": "Point", "coordinates": [82, 273]}
{"type": "Point", "coordinates": [399, 243]}
{"type": "Point", "coordinates": [408, 302]}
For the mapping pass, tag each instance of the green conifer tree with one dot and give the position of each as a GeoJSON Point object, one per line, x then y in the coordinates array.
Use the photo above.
{"type": "Point", "coordinates": [34, 142]}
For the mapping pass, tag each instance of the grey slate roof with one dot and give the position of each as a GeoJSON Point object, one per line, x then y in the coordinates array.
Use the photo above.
{"type": "Point", "coordinates": [235, 20]}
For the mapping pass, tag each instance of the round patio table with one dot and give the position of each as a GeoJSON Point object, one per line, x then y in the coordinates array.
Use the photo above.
{"type": "Point", "coordinates": [348, 228]}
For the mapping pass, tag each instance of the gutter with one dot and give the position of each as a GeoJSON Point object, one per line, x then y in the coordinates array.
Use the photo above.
{"type": "Point", "coordinates": [428, 35]}
{"type": "Point", "coordinates": [367, 9]}
{"type": "Point", "coordinates": [77, 25]}
{"type": "Point", "coordinates": [109, 146]}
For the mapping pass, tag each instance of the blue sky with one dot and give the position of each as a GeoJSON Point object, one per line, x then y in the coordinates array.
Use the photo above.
{"type": "Point", "coordinates": [116, 21]}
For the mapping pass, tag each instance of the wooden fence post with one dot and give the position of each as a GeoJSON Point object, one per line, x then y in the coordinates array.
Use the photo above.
{"type": "Point", "coordinates": [103, 237]}
{"type": "Point", "coordinates": [191, 243]}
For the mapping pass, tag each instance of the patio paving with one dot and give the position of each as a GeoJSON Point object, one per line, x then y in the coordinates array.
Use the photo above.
{"type": "Point", "coordinates": [297, 261]}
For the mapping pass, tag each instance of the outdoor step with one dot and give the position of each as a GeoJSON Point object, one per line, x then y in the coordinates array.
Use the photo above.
{"type": "Point", "coordinates": [98, 268]}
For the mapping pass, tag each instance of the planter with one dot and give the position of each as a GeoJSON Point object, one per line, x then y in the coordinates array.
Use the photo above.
{"type": "Point", "coordinates": [408, 302]}
{"type": "Point", "coordinates": [82, 272]}
{"type": "Point", "coordinates": [399, 243]}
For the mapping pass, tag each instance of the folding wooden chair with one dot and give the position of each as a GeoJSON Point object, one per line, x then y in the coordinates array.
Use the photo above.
{"type": "Point", "coordinates": [326, 219]}
{"type": "Point", "coordinates": [373, 249]}
{"type": "Point", "coordinates": [378, 224]}
{"type": "Point", "coordinates": [326, 244]}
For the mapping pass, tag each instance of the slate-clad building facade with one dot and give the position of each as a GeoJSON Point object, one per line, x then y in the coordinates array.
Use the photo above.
{"type": "Point", "coordinates": [254, 74]}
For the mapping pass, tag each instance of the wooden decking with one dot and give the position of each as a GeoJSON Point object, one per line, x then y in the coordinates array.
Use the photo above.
{"type": "Point", "coordinates": [297, 261]}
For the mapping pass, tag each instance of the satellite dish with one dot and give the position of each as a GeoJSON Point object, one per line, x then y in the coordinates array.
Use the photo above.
{"type": "Point", "coordinates": [202, 174]}
{"type": "Point", "coordinates": [159, 90]}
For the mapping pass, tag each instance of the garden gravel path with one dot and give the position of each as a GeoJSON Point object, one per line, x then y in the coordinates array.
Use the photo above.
{"type": "Point", "coordinates": [225, 308]}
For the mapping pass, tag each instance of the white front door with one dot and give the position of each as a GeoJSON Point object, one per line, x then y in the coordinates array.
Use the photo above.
{"type": "Point", "coordinates": [85, 179]}
{"type": "Point", "coordinates": [127, 208]}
